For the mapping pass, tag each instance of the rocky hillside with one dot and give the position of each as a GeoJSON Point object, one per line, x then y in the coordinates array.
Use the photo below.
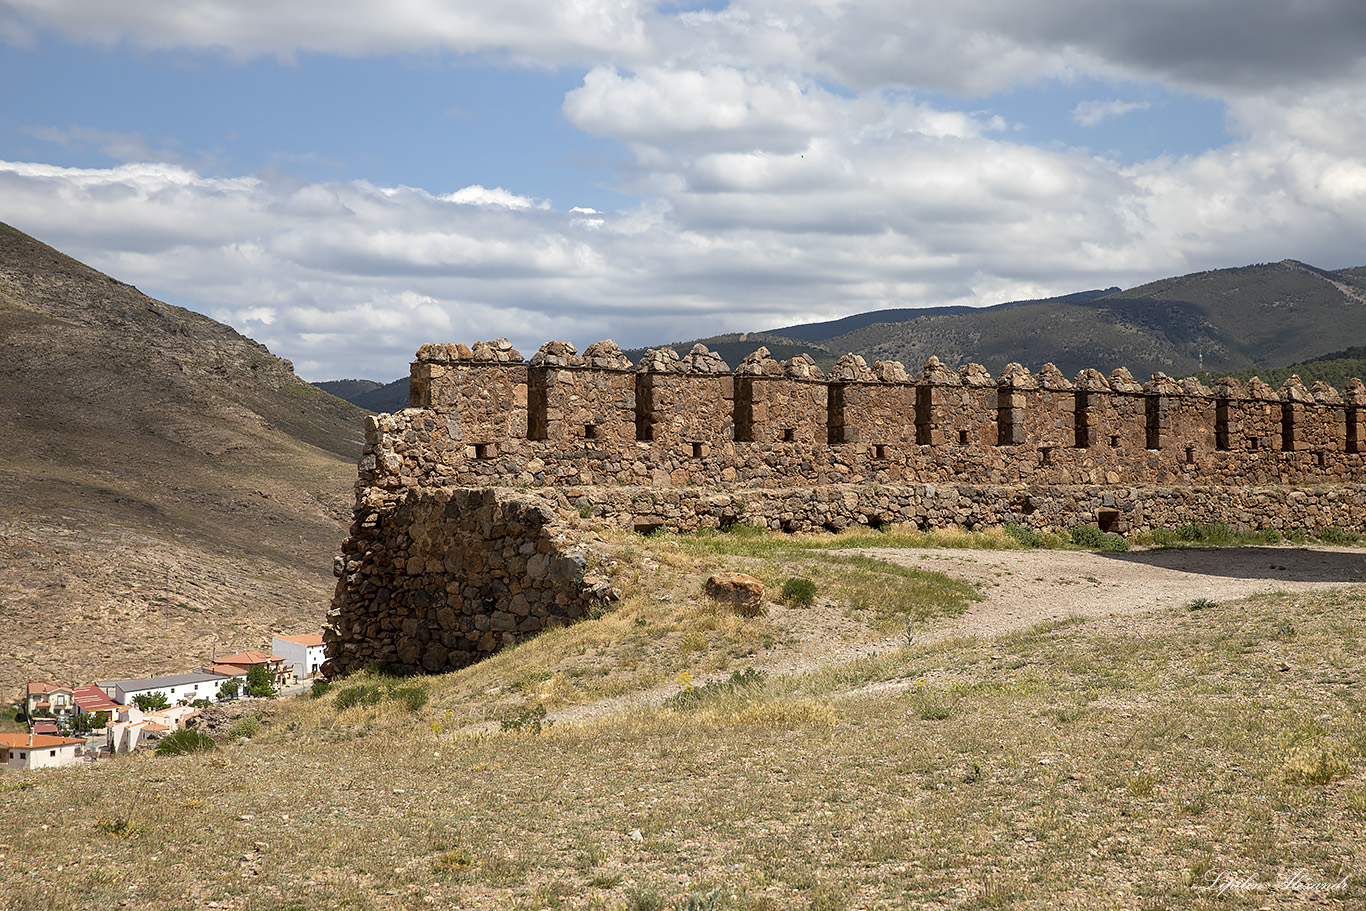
{"type": "Point", "coordinates": [170, 486]}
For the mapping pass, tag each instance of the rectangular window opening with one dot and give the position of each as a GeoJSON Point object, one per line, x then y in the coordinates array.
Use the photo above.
{"type": "Point", "coordinates": [590, 431]}
{"type": "Point", "coordinates": [789, 435]}
{"type": "Point", "coordinates": [835, 431]}
{"type": "Point", "coordinates": [879, 450]}
{"type": "Point", "coordinates": [645, 423]}
{"type": "Point", "coordinates": [1190, 455]}
{"type": "Point", "coordinates": [924, 416]}
{"type": "Point", "coordinates": [1114, 440]}
{"type": "Point", "coordinates": [1288, 428]}
{"type": "Point", "coordinates": [482, 450]}
{"type": "Point", "coordinates": [698, 450]}
{"type": "Point", "coordinates": [1323, 459]}
{"type": "Point", "coordinates": [1046, 455]}
{"type": "Point", "coordinates": [1081, 420]}
{"type": "Point", "coordinates": [1253, 443]}
{"type": "Point", "coordinates": [963, 437]}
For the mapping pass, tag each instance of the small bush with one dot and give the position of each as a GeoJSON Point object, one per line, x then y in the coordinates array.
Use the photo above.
{"type": "Point", "coordinates": [320, 688]}
{"type": "Point", "coordinates": [361, 694]}
{"type": "Point", "coordinates": [245, 727]}
{"type": "Point", "coordinates": [1201, 604]}
{"type": "Point", "coordinates": [799, 592]}
{"type": "Point", "coordinates": [413, 696]}
{"type": "Point", "coordinates": [1095, 539]}
{"type": "Point", "coordinates": [739, 682]}
{"type": "Point", "coordinates": [118, 826]}
{"type": "Point", "coordinates": [1024, 537]}
{"type": "Point", "coordinates": [185, 741]}
{"type": "Point", "coordinates": [530, 719]}
{"type": "Point", "coordinates": [1338, 536]}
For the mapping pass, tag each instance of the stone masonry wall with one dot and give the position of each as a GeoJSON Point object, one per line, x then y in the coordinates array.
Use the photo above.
{"type": "Point", "coordinates": [475, 507]}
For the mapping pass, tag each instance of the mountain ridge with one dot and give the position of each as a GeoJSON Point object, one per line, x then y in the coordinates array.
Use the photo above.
{"type": "Point", "coordinates": [172, 488]}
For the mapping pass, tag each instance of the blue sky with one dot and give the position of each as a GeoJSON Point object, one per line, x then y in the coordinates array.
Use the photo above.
{"type": "Point", "coordinates": [344, 182]}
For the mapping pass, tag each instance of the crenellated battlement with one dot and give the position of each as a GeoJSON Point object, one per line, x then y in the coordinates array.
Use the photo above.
{"type": "Point", "coordinates": [483, 416]}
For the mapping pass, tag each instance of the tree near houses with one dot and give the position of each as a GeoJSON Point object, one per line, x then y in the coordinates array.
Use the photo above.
{"type": "Point", "coordinates": [260, 681]}
{"type": "Point", "coordinates": [151, 702]}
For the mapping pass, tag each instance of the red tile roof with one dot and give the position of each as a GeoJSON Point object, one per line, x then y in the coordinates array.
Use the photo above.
{"type": "Point", "coordinates": [92, 699]}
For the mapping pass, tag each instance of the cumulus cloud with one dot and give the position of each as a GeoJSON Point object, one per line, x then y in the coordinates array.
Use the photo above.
{"type": "Point", "coordinates": [785, 158]}
{"type": "Point", "coordinates": [525, 30]}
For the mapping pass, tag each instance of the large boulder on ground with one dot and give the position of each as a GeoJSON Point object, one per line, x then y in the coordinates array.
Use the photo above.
{"type": "Point", "coordinates": [742, 594]}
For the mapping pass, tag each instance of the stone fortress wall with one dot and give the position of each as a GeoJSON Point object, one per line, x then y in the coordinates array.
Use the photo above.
{"type": "Point", "coordinates": [475, 505]}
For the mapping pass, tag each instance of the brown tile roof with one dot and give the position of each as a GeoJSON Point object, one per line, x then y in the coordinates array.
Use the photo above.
{"type": "Point", "coordinates": [248, 659]}
{"type": "Point", "coordinates": [303, 640]}
{"type": "Point", "coordinates": [35, 741]}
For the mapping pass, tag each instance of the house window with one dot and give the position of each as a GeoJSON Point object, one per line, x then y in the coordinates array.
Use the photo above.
{"type": "Point", "coordinates": [789, 435]}
{"type": "Point", "coordinates": [52, 752]}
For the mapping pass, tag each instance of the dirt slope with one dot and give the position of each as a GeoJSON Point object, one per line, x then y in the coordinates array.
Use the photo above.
{"type": "Point", "coordinates": [169, 487]}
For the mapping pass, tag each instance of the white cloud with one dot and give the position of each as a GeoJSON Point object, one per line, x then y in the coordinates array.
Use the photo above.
{"type": "Point", "coordinates": [787, 164]}
{"type": "Point", "coordinates": [525, 30]}
{"type": "Point", "coordinates": [1090, 113]}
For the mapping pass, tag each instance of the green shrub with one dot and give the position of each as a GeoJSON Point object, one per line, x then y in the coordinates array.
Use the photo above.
{"type": "Point", "coordinates": [1095, 539]}
{"type": "Point", "coordinates": [1338, 536]}
{"type": "Point", "coordinates": [799, 592]}
{"type": "Point", "coordinates": [413, 696]}
{"type": "Point", "coordinates": [320, 688]}
{"type": "Point", "coordinates": [185, 741]}
{"type": "Point", "coordinates": [1025, 537]}
{"type": "Point", "coordinates": [361, 694]}
{"type": "Point", "coordinates": [246, 726]}
{"type": "Point", "coordinates": [526, 719]}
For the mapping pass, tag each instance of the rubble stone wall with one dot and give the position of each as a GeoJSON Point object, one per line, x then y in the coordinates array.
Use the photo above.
{"type": "Point", "coordinates": [475, 506]}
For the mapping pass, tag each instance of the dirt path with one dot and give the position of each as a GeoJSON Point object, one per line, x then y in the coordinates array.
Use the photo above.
{"type": "Point", "coordinates": [1022, 588]}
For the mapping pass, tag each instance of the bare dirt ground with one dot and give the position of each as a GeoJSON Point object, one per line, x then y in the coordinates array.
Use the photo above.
{"type": "Point", "coordinates": [1020, 588]}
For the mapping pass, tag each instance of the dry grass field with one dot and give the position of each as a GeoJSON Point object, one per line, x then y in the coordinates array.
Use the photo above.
{"type": "Point", "coordinates": [853, 753]}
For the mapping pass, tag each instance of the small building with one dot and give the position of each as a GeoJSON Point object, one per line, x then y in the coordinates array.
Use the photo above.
{"type": "Point", "coordinates": [176, 687]}
{"type": "Point", "coordinates": [304, 654]}
{"type": "Point", "coordinates": [243, 662]}
{"type": "Point", "coordinates": [54, 699]}
{"type": "Point", "coordinates": [91, 700]}
{"type": "Point", "coordinates": [39, 751]}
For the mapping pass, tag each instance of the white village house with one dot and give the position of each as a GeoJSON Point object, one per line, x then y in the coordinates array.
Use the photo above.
{"type": "Point", "coordinates": [304, 654]}
{"type": "Point", "coordinates": [39, 751]}
{"type": "Point", "coordinates": [176, 687]}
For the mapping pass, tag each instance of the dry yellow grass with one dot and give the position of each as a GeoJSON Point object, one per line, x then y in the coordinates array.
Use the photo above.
{"type": "Point", "coordinates": [1073, 764]}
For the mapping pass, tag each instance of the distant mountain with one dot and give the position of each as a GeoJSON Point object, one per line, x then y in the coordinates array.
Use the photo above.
{"type": "Point", "coordinates": [1230, 319]}
{"type": "Point", "coordinates": [1251, 318]}
{"type": "Point", "coordinates": [170, 486]}
{"type": "Point", "coordinates": [370, 395]}
{"type": "Point", "coordinates": [821, 332]}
